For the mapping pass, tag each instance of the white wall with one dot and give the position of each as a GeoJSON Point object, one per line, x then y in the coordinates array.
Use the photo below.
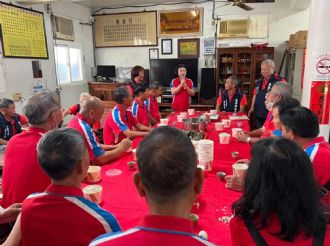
{"type": "Point", "coordinates": [283, 22]}
{"type": "Point", "coordinates": [18, 72]}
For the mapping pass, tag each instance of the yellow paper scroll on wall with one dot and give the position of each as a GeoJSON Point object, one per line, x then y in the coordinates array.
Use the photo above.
{"type": "Point", "coordinates": [22, 32]}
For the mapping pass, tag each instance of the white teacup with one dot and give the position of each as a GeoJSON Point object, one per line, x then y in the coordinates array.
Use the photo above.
{"type": "Point", "coordinates": [164, 122]}
{"type": "Point", "coordinates": [213, 111]}
{"type": "Point", "coordinates": [93, 174]}
{"type": "Point", "coordinates": [93, 193]}
{"type": "Point", "coordinates": [191, 111]}
{"type": "Point", "coordinates": [240, 169]}
{"type": "Point", "coordinates": [235, 131]}
{"type": "Point", "coordinates": [224, 138]}
{"type": "Point", "coordinates": [179, 118]}
{"type": "Point", "coordinates": [226, 123]}
{"type": "Point", "coordinates": [218, 126]}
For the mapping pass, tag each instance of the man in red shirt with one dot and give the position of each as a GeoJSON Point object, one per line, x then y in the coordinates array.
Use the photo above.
{"type": "Point", "coordinates": [231, 99]}
{"type": "Point", "coordinates": [152, 103]}
{"type": "Point", "coordinates": [139, 109]}
{"type": "Point", "coordinates": [301, 125]}
{"type": "Point", "coordinates": [22, 174]}
{"type": "Point", "coordinates": [10, 122]}
{"type": "Point", "coordinates": [61, 215]}
{"type": "Point", "coordinates": [182, 89]}
{"type": "Point", "coordinates": [170, 181]}
{"type": "Point", "coordinates": [90, 112]}
{"type": "Point", "coordinates": [119, 122]}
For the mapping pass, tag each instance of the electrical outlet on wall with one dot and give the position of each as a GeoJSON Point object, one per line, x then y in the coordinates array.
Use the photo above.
{"type": "Point", "coordinates": [17, 96]}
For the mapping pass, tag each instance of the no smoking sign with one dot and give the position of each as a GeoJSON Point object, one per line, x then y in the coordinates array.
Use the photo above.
{"type": "Point", "coordinates": [322, 68]}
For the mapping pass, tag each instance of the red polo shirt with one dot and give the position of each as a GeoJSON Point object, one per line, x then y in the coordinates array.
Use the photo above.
{"type": "Point", "coordinates": [181, 99]}
{"type": "Point", "coordinates": [241, 236]}
{"type": "Point", "coordinates": [318, 151]}
{"type": "Point", "coordinates": [243, 101]}
{"type": "Point", "coordinates": [117, 121]}
{"type": "Point", "coordinates": [80, 123]}
{"type": "Point", "coordinates": [155, 230]}
{"type": "Point", "coordinates": [62, 216]}
{"type": "Point", "coordinates": [140, 112]}
{"type": "Point", "coordinates": [22, 173]}
{"type": "Point", "coordinates": [268, 126]}
{"type": "Point", "coordinates": [153, 108]}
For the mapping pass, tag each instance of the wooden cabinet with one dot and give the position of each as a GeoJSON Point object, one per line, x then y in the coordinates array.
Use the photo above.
{"type": "Point", "coordinates": [244, 63]}
{"type": "Point", "coordinates": [104, 91]}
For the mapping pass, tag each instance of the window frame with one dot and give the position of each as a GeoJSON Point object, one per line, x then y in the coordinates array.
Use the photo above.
{"type": "Point", "coordinates": [68, 47]}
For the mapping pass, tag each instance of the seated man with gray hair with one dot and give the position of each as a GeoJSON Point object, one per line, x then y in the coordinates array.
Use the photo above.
{"type": "Point", "coordinates": [278, 92]}
{"type": "Point", "coordinates": [61, 215]}
{"type": "Point", "coordinates": [22, 174]}
{"type": "Point", "coordinates": [231, 99]}
{"type": "Point", "coordinates": [170, 181]}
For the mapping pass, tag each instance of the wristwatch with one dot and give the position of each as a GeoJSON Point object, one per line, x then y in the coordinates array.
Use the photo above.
{"type": "Point", "coordinates": [248, 140]}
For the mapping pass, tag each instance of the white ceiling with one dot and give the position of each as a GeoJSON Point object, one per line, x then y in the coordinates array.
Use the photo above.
{"type": "Point", "coordinates": [97, 4]}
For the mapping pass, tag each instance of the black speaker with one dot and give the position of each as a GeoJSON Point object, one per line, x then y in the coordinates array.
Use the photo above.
{"type": "Point", "coordinates": [146, 76]}
{"type": "Point", "coordinates": [208, 87]}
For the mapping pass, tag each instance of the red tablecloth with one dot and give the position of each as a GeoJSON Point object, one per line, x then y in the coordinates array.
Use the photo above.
{"type": "Point", "coordinates": [213, 205]}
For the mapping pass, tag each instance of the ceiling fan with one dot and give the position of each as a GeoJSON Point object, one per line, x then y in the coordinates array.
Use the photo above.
{"type": "Point", "coordinates": [242, 3]}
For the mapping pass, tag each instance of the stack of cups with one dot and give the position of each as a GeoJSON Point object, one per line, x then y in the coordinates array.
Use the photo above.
{"type": "Point", "coordinates": [206, 154]}
{"type": "Point", "coordinates": [196, 145]}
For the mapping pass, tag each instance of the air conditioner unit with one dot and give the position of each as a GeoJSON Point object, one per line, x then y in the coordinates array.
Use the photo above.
{"type": "Point", "coordinates": [234, 29]}
{"type": "Point", "coordinates": [63, 28]}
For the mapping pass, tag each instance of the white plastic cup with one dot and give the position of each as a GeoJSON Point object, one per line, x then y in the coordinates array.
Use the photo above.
{"type": "Point", "coordinates": [218, 126]}
{"type": "Point", "coordinates": [183, 115]}
{"type": "Point", "coordinates": [226, 123]}
{"type": "Point", "coordinates": [191, 111]}
{"type": "Point", "coordinates": [164, 121]}
{"type": "Point", "coordinates": [179, 118]}
{"type": "Point", "coordinates": [134, 154]}
{"type": "Point", "coordinates": [235, 131]}
{"type": "Point", "coordinates": [240, 169]}
{"type": "Point", "coordinates": [213, 111]}
{"type": "Point", "coordinates": [93, 193]}
{"type": "Point", "coordinates": [224, 138]}
{"type": "Point", "coordinates": [93, 174]}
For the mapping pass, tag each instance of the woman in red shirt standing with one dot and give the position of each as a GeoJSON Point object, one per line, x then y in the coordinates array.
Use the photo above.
{"type": "Point", "coordinates": [182, 89]}
{"type": "Point", "coordinates": [137, 78]}
{"type": "Point", "coordinates": [280, 204]}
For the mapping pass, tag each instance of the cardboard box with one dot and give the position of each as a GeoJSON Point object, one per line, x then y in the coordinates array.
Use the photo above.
{"type": "Point", "coordinates": [291, 41]}
{"type": "Point", "coordinates": [300, 39]}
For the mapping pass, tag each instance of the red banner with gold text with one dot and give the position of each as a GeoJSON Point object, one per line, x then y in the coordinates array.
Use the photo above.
{"type": "Point", "coordinates": [320, 100]}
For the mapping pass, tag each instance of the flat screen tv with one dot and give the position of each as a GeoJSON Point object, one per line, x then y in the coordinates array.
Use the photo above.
{"type": "Point", "coordinates": [106, 71]}
{"type": "Point", "coordinates": [163, 70]}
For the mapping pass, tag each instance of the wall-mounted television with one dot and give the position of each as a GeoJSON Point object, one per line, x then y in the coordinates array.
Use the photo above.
{"type": "Point", "coordinates": [106, 71]}
{"type": "Point", "coordinates": [163, 70]}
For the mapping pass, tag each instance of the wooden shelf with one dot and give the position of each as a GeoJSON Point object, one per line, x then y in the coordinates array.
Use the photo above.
{"type": "Point", "coordinates": [244, 59]}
